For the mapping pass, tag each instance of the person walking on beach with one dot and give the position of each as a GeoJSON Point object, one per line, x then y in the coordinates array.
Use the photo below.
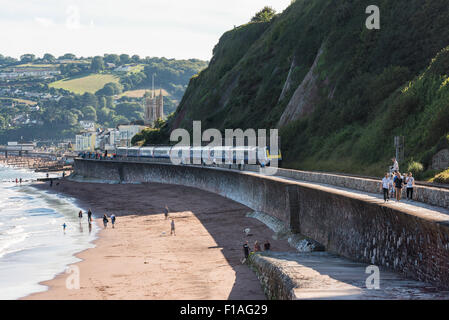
{"type": "Point", "coordinates": [105, 220]}
{"type": "Point", "coordinates": [20, 180]}
{"type": "Point", "coordinates": [64, 226]}
{"type": "Point", "coordinates": [166, 212]}
{"type": "Point", "coordinates": [410, 185]}
{"type": "Point", "coordinates": [80, 215]}
{"type": "Point", "coordinates": [257, 246]}
{"type": "Point", "coordinates": [386, 182]}
{"type": "Point", "coordinates": [398, 186]}
{"type": "Point", "coordinates": [246, 250]}
{"type": "Point", "coordinates": [267, 246]}
{"type": "Point", "coordinates": [113, 220]}
{"type": "Point", "coordinates": [172, 230]}
{"type": "Point", "coordinates": [89, 216]}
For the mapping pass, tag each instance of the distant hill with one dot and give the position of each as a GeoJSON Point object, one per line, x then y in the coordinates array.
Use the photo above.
{"type": "Point", "coordinates": [107, 90]}
{"type": "Point", "coordinates": [338, 92]}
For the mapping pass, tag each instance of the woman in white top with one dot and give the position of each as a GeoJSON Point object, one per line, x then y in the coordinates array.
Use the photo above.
{"type": "Point", "coordinates": [386, 182]}
{"type": "Point", "coordinates": [410, 184]}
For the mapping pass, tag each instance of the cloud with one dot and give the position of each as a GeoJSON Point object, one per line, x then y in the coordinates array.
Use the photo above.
{"type": "Point", "coordinates": [44, 22]}
{"type": "Point", "coordinates": [73, 20]}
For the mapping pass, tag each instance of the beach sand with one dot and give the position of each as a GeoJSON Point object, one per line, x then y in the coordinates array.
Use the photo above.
{"type": "Point", "coordinates": [139, 259]}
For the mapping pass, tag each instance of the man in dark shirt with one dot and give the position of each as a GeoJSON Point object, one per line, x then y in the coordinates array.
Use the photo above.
{"type": "Point", "coordinates": [246, 250]}
{"type": "Point", "coordinates": [266, 246]}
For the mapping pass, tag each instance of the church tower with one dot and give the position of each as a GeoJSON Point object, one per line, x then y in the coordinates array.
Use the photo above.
{"type": "Point", "coordinates": [153, 107]}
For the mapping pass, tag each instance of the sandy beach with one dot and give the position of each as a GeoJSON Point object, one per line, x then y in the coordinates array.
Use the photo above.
{"type": "Point", "coordinates": [139, 259]}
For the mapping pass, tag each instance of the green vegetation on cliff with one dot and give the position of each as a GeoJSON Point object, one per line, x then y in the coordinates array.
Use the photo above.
{"type": "Point", "coordinates": [338, 92]}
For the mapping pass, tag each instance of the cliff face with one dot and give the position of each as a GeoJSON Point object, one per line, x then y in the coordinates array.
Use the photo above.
{"type": "Point", "coordinates": [338, 91]}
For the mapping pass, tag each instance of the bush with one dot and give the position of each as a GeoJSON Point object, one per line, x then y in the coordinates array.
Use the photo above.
{"type": "Point", "coordinates": [442, 177]}
{"type": "Point", "coordinates": [416, 168]}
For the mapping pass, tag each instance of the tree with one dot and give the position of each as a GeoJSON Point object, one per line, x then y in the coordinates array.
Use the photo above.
{"type": "Point", "coordinates": [109, 89]}
{"type": "Point", "coordinates": [89, 99]}
{"type": "Point", "coordinates": [68, 56]}
{"type": "Point", "coordinates": [135, 58]}
{"type": "Point", "coordinates": [49, 57]}
{"type": "Point", "coordinates": [264, 15]}
{"type": "Point", "coordinates": [2, 122]}
{"type": "Point", "coordinates": [124, 59]}
{"type": "Point", "coordinates": [97, 64]}
{"type": "Point", "coordinates": [28, 57]}
{"type": "Point", "coordinates": [112, 58]}
{"type": "Point", "coordinates": [89, 113]}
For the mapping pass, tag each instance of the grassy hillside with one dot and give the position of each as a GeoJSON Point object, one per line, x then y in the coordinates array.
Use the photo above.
{"type": "Point", "coordinates": [338, 92]}
{"type": "Point", "coordinates": [80, 85]}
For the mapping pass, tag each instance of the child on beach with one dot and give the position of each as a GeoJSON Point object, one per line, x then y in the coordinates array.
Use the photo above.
{"type": "Point", "coordinates": [105, 220]}
{"type": "Point", "coordinates": [113, 220]}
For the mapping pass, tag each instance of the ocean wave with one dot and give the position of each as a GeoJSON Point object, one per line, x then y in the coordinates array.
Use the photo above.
{"type": "Point", "coordinates": [6, 244]}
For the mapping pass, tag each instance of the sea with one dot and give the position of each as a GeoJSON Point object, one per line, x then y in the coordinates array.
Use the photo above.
{"type": "Point", "coordinates": [33, 245]}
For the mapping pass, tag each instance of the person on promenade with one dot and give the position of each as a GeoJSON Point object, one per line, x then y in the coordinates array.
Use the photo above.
{"type": "Point", "coordinates": [80, 215]}
{"type": "Point", "coordinates": [398, 182]}
{"type": "Point", "coordinates": [266, 246]}
{"type": "Point", "coordinates": [166, 212]}
{"type": "Point", "coordinates": [257, 246]}
{"type": "Point", "coordinates": [246, 250]}
{"type": "Point", "coordinates": [395, 166]}
{"type": "Point", "coordinates": [386, 182]}
{"type": "Point", "coordinates": [105, 220]}
{"type": "Point", "coordinates": [172, 230]}
{"type": "Point", "coordinates": [410, 185]}
{"type": "Point", "coordinates": [113, 220]}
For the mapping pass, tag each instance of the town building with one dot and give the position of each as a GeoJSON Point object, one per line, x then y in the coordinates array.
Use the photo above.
{"type": "Point", "coordinates": [126, 133]}
{"type": "Point", "coordinates": [85, 141]}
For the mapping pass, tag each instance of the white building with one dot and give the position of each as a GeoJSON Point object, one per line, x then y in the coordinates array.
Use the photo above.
{"type": "Point", "coordinates": [88, 125]}
{"type": "Point", "coordinates": [106, 139]}
{"type": "Point", "coordinates": [85, 141]}
{"type": "Point", "coordinates": [126, 133]}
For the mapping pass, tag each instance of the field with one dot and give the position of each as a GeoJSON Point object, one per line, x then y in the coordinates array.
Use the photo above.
{"type": "Point", "coordinates": [80, 85]}
{"type": "Point", "coordinates": [28, 102]}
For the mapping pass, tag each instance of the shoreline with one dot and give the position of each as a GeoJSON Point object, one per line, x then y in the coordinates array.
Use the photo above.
{"type": "Point", "coordinates": [47, 283]}
{"type": "Point", "coordinates": [79, 204]}
{"type": "Point", "coordinates": [201, 263]}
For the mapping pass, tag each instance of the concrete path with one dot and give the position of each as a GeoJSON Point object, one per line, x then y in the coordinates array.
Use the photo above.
{"type": "Point", "coordinates": [324, 276]}
{"type": "Point", "coordinates": [426, 211]}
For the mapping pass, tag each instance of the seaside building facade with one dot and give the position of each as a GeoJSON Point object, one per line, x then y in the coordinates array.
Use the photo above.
{"type": "Point", "coordinates": [126, 133]}
{"type": "Point", "coordinates": [85, 141]}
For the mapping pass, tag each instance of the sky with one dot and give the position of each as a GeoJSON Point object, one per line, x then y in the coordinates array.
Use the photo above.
{"type": "Point", "coordinates": [180, 29]}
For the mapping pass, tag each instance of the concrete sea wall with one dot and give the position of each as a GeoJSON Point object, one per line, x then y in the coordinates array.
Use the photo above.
{"type": "Point", "coordinates": [411, 243]}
